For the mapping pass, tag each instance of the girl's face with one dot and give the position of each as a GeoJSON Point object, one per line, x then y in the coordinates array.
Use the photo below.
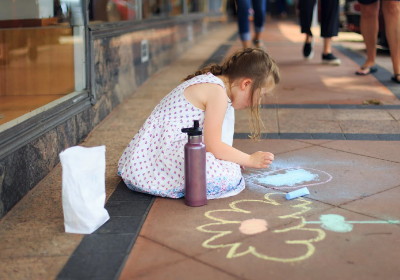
{"type": "Point", "coordinates": [241, 94]}
{"type": "Point", "coordinates": [242, 97]}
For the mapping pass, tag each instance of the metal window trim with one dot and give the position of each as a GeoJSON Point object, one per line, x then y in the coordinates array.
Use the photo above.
{"type": "Point", "coordinates": [25, 132]}
{"type": "Point", "coordinates": [111, 29]}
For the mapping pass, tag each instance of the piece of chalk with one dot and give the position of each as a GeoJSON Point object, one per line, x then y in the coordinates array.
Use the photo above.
{"type": "Point", "coordinates": [297, 193]}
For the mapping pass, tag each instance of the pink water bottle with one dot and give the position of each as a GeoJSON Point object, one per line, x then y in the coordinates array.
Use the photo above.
{"type": "Point", "coordinates": [195, 167]}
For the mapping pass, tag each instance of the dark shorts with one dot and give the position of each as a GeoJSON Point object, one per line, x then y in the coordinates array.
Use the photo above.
{"type": "Point", "coordinates": [365, 2]}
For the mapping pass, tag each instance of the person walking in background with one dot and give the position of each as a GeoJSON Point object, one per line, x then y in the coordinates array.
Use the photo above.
{"type": "Point", "coordinates": [329, 27]}
{"type": "Point", "coordinates": [243, 11]}
{"type": "Point", "coordinates": [369, 31]}
{"type": "Point", "coordinates": [281, 6]}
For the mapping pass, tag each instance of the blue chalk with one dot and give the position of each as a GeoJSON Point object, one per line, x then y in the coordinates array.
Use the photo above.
{"type": "Point", "coordinates": [297, 193]}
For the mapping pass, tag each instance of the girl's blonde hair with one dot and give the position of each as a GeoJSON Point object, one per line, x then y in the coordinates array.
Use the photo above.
{"type": "Point", "coordinates": [252, 63]}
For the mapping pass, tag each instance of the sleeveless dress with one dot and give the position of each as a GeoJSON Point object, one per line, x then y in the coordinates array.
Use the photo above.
{"type": "Point", "coordinates": [153, 162]}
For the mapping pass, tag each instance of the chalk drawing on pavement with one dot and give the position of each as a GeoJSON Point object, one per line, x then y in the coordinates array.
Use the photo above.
{"type": "Point", "coordinates": [226, 224]}
{"type": "Point", "coordinates": [338, 223]}
{"type": "Point", "coordinates": [228, 227]}
{"type": "Point", "coordinates": [292, 178]}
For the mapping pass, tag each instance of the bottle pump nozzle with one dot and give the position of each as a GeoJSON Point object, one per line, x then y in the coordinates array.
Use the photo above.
{"type": "Point", "coordinates": [193, 131]}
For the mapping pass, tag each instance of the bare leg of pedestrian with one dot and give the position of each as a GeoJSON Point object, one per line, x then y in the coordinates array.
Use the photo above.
{"type": "Point", "coordinates": [369, 30]}
{"type": "Point", "coordinates": [391, 13]}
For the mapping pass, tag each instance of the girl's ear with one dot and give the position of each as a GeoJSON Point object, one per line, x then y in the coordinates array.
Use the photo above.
{"type": "Point", "coordinates": [245, 83]}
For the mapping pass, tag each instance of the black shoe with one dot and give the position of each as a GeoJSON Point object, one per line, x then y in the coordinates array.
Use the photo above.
{"type": "Point", "coordinates": [330, 59]}
{"type": "Point", "coordinates": [308, 52]}
{"type": "Point", "coordinates": [396, 78]}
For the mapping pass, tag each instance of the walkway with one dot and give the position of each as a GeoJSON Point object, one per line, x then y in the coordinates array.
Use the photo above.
{"type": "Point", "coordinates": [323, 137]}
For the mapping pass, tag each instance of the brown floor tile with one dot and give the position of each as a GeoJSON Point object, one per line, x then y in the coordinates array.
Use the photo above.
{"type": "Point", "coordinates": [187, 269]}
{"type": "Point", "coordinates": [384, 205]}
{"type": "Point", "coordinates": [306, 114]}
{"type": "Point", "coordinates": [316, 142]}
{"type": "Point", "coordinates": [395, 114]}
{"type": "Point", "coordinates": [179, 221]}
{"type": "Point", "coordinates": [147, 256]}
{"type": "Point", "coordinates": [123, 124]}
{"type": "Point", "coordinates": [24, 225]}
{"type": "Point", "coordinates": [307, 121]}
{"type": "Point", "coordinates": [275, 146]}
{"type": "Point", "coordinates": [27, 244]}
{"type": "Point", "coordinates": [364, 115]}
{"type": "Point", "coordinates": [268, 116]}
{"type": "Point", "coordinates": [376, 149]}
{"type": "Point", "coordinates": [33, 268]}
{"type": "Point", "coordinates": [108, 138]}
{"type": "Point", "coordinates": [374, 127]}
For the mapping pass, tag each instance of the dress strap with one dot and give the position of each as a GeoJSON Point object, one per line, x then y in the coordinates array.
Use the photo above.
{"type": "Point", "coordinates": [205, 78]}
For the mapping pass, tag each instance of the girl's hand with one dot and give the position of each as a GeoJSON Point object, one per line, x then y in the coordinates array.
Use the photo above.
{"type": "Point", "coordinates": [260, 159]}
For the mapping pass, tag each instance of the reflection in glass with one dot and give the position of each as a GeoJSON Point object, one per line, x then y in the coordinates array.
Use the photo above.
{"type": "Point", "coordinates": [115, 10]}
{"type": "Point", "coordinates": [175, 7]}
{"type": "Point", "coordinates": [101, 11]}
{"type": "Point", "coordinates": [153, 8]}
{"type": "Point", "coordinates": [196, 6]}
{"type": "Point", "coordinates": [217, 5]}
{"type": "Point", "coordinates": [41, 54]}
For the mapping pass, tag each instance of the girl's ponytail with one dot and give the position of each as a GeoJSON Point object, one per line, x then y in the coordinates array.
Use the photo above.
{"type": "Point", "coordinates": [214, 69]}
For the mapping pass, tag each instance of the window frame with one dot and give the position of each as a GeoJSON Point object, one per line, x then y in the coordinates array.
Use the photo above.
{"type": "Point", "coordinates": [21, 131]}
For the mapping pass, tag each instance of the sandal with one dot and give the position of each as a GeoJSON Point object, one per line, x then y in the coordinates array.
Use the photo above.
{"type": "Point", "coordinates": [396, 78]}
{"type": "Point", "coordinates": [366, 70]}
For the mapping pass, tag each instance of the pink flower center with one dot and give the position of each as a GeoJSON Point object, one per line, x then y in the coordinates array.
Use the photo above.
{"type": "Point", "coordinates": [253, 226]}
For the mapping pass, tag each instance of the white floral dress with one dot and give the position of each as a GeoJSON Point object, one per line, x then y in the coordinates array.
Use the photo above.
{"type": "Point", "coordinates": [153, 162]}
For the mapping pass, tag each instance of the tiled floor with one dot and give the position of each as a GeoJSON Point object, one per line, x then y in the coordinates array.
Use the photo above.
{"type": "Point", "coordinates": [346, 175]}
{"type": "Point", "coordinates": [347, 228]}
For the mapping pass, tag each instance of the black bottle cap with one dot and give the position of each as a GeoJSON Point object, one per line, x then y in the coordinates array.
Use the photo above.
{"type": "Point", "coordinates": [193, 131]}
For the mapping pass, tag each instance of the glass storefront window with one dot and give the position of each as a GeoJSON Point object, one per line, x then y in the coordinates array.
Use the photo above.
{"type": "Point", "coordinates": [153, 8]}
{"type": "Point", "coordinates": [101, 11]}
{"type": "Point", "coordinates": [175, 7]}
{"type": "Point", "coordinates": [42, 54]}
{"type": "Point", "coordinates": [196, 6]}
{"type": "Point", "coordinates": [217, 5]}
{"type": "Point", "coordinates": [115, 10]}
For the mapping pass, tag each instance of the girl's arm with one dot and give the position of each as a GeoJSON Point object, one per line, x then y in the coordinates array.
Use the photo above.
{"type": "Point", "coordinates": [215, 102]}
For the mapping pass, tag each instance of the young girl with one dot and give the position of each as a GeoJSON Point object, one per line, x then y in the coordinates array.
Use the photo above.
{"type": "Point", "coordinates": [153, 162]}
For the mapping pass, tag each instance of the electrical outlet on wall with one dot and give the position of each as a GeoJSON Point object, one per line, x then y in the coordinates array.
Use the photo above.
{"type": "Point", "coordinates": [144, 50]}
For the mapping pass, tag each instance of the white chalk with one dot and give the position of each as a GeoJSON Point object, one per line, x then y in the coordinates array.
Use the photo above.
{"type": "Point", "coordinates": [297, 193]}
